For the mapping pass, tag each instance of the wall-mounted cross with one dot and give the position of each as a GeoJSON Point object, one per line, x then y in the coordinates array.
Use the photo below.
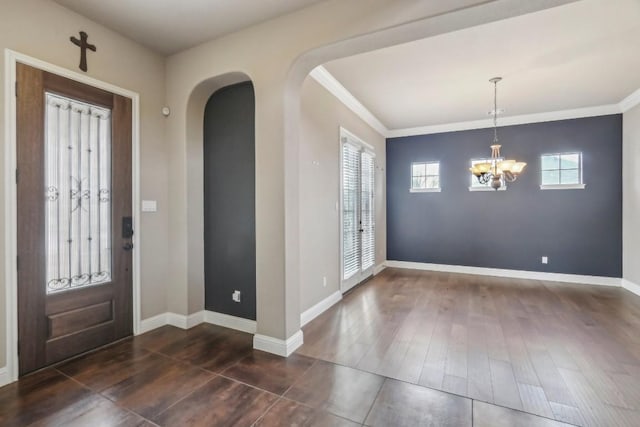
{"type": "Point", "coordinates": [84, 45]}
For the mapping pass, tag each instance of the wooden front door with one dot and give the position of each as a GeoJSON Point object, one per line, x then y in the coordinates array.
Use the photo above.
{"type": "Point", "coordinates": [74, 217]}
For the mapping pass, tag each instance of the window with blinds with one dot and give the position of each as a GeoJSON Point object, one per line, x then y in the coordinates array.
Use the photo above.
{"type": "Point", "coordinates": [358, 209]}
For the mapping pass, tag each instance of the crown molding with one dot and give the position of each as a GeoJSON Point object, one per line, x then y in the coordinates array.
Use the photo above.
{"type": "Point", "coordinates": [578, 113]}
{"type": "Point", "coordinates": [326, 79]}
{"type": "Point", "coordinates": [630, 101]}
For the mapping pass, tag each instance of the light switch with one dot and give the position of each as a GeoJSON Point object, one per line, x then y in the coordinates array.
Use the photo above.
{"type": "Point", "coordinates": [149, 206]}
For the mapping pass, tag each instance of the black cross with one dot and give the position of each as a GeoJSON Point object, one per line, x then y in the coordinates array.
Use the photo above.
{"type": "Point", "coordinates": [82, 43]}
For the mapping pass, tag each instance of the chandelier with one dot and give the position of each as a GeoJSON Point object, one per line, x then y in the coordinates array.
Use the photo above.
{"type": "Point", "coordinates": [496, 169]}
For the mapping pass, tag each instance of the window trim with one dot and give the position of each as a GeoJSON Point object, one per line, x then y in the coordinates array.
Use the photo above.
{"type": "Point", "coordinates": [563, 186]}
{"type": "Point", "coordinates": [502, 188]}
{"type": "Point", "coordinates": [579, 186]}
{"type": "Point", "coordinates": [412, 189]}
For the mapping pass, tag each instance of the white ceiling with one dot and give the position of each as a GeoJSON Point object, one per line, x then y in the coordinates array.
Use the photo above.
{"type": "Point", "coordinates": [578, 55]}
{"type": "Point", "coordinates": [169, 26]}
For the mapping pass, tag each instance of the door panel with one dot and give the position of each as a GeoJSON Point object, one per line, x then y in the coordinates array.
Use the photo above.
{"type": "Point", "coordinates": [74, 188]}
{"type": "Point", "coordinates": [367, 212]}
{"type": "Point", "coordinates": [358, 214]}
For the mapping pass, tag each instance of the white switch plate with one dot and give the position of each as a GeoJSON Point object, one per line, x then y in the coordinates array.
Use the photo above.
{"type": "Point", "coordinates": [149, 206]}
{"type": "Point", "coordinates": [545, 260]}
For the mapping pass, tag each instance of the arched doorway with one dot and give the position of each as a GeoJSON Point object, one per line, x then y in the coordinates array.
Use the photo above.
{"type": "Point", "coordinates": [229, 201]}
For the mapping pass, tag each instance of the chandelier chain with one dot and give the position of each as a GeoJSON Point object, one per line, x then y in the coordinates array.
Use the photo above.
{"type": "Point", "coordinates": [495, 111]}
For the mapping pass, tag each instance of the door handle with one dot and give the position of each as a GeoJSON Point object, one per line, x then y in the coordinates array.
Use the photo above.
{"type": "Point", "coordinates": [127, 246]}
{"type": "Point", "coordinates": [127, 227]}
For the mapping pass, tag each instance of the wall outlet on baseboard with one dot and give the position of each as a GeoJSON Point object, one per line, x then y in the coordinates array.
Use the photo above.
{"type": "Point", "coordinates": [545, 260]}
{"type": "Point", "coordinates": [324, 282]}
{"type": "Point", "coordinates": [236, 296]}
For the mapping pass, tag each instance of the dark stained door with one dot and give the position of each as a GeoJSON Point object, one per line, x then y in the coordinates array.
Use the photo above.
{"type": "Point", "coordinates": [74, 205]}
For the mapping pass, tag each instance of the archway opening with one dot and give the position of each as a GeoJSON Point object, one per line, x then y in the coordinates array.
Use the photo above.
{"type": "Point", "coordinates": [229, 201]}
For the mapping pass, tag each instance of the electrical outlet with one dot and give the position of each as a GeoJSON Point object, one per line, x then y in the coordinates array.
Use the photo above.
{"type": "Point", "coordinates": [236, 296]}
{"type": "Point", "coordinates": [545, 260]}
{"type": "Point", "coordinates": [324, 281]}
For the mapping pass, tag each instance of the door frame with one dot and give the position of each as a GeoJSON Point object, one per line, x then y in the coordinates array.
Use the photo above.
{"type": "Point", "coordinates": [10, 197]}
{"type": "Point", "coordinates": [346, 285]}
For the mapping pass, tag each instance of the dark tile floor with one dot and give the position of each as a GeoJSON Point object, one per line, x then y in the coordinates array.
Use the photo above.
{"type": "Point", "coordinates": [210, 376]}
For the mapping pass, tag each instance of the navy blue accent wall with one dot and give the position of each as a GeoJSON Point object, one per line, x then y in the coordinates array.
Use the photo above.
{"type": "Point", "coordinates": [579, 230]}
{"type": "Point", "coordinates": [229, 201]}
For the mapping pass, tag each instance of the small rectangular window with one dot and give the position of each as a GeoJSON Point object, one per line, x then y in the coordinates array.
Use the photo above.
{"type": "Point", "coordinates": [425, 177]}
{"type": "Point", "coordinates": [477, 186]}
{"type": "Point", "coordinates": [561, 171]}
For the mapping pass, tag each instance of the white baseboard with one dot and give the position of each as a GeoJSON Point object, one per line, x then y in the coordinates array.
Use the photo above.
{"type": "Point", "coordinates": [231, 322]}
{"type": "Point", "coordinates": [516, 274]}
{"type": "Point", "coordinates": [152, 323]}
{"type": "Point", "coordinates": [186, 322]}
{"type": "Point", "coordinates": [315, 311]}
{"type": "Point", "coordinates": [277, 346]}
{"type": "Point", "coordinates": [195, 319]}
{"type": "Point", "coordinates": [177, 320]}
{"type": "Point", "coordinates": [4, 376]}
{"type": "Point", "coordinates": [378, 268]}
{"type": "Point", "coordinates": [630, 286]}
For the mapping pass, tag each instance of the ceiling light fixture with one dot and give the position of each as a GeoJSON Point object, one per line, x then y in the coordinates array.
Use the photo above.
{"type": "Point", "coordinates": [497, 169]}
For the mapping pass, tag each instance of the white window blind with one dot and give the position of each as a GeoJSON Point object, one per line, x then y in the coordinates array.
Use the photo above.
{"type": "Point", "coordinates": [367, 210]}
{"type": "Point", "coordinates": [350, 210]}
{"type": "Point", "coordinates": [77, 194]}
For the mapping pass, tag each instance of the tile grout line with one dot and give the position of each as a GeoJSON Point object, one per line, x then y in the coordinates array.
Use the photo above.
{"type": "Point", "coordinates": [158, 352]}
{"type": "Point", "coordinates": [444, 391]}
{"type": "Point", "coordinates": [321, 410]}
{"type": "Point", "coordinates": [374, 401]}
{"type": "Point", "coordinates": [186, 395]}
{"type": "Point", "coordinates": [99, 394]}
{"type": "Point", "coordinates": [315, 361]}
{"type": "Point", "coordinates": [266, 411]}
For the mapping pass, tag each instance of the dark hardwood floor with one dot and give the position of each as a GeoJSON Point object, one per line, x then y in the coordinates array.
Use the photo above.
{"type": "Point", "coordinates": [561, 351]}
{"type": "Point", "coordinates": [406, 349]}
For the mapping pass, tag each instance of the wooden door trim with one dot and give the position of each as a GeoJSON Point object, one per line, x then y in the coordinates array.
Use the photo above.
{"type": "Point", "coordinates": [10, 199]}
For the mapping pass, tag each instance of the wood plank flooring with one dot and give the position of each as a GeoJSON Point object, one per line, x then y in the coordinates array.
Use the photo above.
{"type": "Point", "coordinates": [405, 349]}
{"type": "Point", "coordinates": [561, 351]}
{"type": "Point", "coordinates": [210, 376]}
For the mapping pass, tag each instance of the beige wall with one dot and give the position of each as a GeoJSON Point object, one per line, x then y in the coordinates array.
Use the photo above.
{"type": "Point", "coordinates": [322, 114]}
{"type": "Point", "coordinates": [41, 29]}
{"type": "Point", "coordinates": [277, 55]}
{"type": "Point", "coordinates": [631, 195]}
